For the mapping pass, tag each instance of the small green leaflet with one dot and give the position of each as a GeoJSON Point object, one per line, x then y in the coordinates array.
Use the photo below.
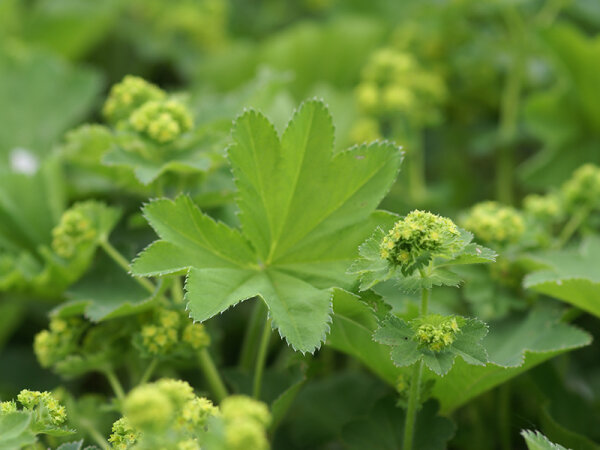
{"type": "Point", "coordinates": [537, 441]}
{"type": "Point", "coordinates": [303, 211]}
{"type": "Point", "coordinates": [571, 275]}
{"type": "Point", "coordinates": [405, 351]}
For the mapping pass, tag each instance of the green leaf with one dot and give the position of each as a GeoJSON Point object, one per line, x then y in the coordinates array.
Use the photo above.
{"type": "Point", "coordinates": [295, 243]}
{"type": "Point", "coordinates": [40, 97]}
{"type": "Point", "coordinates": [537, 441]}
{"type": "Point", "coordinates": [514, 345]}
{"type": "Point", "coordinates": [14, 430]}
{"type": "Point", "coordinates": [193, 153]}
{"type": "Point", "coordinates": [383, 428]}
{"type": "Point", "coordinates": [76, 445]}
{"type": "Point", "coordinates": [104, 293]}
{"type": "Point", "coordinates": [400, 335]}
{"type": "Point", "coordinates": [571, 275]}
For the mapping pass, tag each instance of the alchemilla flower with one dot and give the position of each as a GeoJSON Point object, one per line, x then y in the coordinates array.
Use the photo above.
{"type": "Point", "coordinates": [417, 238]}
{"type": "Point", "coordinates": [162, 121]}
{"type": "Point", "coordinates": [583, 188]}
{"type": "Point", "coordinates": [74, 230]}
{"type": "Point", "coordinates": [495, 223]}
{"type": "Point", "coordinates": [435, 332]}
{"type": "Point", "coordinates": [128, 95]}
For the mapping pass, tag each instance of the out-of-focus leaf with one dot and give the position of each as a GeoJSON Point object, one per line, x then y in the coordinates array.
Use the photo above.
{"type": "Point", "coordinates": [14, 430]}
{"type": "Point", "coordinates": [572, 275]}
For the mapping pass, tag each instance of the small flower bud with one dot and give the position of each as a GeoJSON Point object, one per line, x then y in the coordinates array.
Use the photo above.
{"type": "Point", "coordinates": [148, 408]}
{"type": "Point", "coordinates": [123, 436]}
{"type": "Point", "coordinates": [546, 208]}
{"type": "Point", "coordinates": [54, 344]}
{"type": "Point", "coordinates": [161, 121]}
{"type": "Point", "coordinates": [128, 95]}
{"type": "Point", "coordinates": [195, 335]}
{"type": "Point", "coordinates": [49, 410]}
{"type": "Point", "coordinates": [435, 332]}
{"type": "Point", "coordinates": [73, 231]}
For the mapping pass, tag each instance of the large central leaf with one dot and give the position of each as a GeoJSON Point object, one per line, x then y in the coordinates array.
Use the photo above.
{"type": "Point", "coordinates": [303, 209]}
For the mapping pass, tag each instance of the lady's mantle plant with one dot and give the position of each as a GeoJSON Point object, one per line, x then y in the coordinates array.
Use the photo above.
{"type": "Point", "coordinates": [303, 211]}
{"type": "Point", "coordinates": [419, 252]}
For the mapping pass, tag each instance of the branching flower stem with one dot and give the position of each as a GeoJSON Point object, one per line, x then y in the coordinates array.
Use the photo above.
{"type": "Point", "coordinates": [415, 386]}
{"type": "Point", "coordinates": [204, 359]}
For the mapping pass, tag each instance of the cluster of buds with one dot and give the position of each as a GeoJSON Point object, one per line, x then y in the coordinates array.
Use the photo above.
{"type": "Point", "coordinates": [394, 83]}
{"type": "Point", "coordinates": [152, 408]}
{"type": "Point", "coordinates": [128, 95]}
{"type": "Point", "coordinates": [494, 223]}
{"type": "Point", "coordinates": [545, 208]}
{"type": "Point", "coordinates": [170, 329]}
{"type": "Point", "coordinates": [419, 237]}
{"type": "Point", "coordinates": [47, 411]}
{"type": "Point", "coordinates": [73, 231]}
{"type": "Point", "coordinates": [583, 188]}
{"type": "Point", "coordinates": [59, 341]}
{"type": "Point", "coordinates": [162, 121]}
{"type": "Point", "coordinates": [136, 104]}
{"type": "Point", "coordinates": [246, 421]}
{"type": "Point", "coordinates": [435, 332]}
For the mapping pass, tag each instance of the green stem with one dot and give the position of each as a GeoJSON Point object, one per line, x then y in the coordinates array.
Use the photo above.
{"type": "Point", "coordinates": [248, 352]}
{"type": "Point", "coordinates": [212, 375]}
{"type": "Point", "coordinates": [413, 403]}
{"type": "Point", "coordinates": [124, 264]}
{"type": "Point", "coordinates": [177, 290]}
{"type": "Point", "coordinates": [415, 385]}
{"type": "Point", "coordinates": [115, 384]}
{"type": "Point", "coordinates": [148, 372]}
{"type": "Point", "coordinates": [504, 413]}
{"type": "Point", "coordinates": [509, 111]}
{"type": "Point", "coordinates": [261, 358]}
{"type": "Point", "coordinates": [571, 227]}
{"type": "Point", "coordinates": [95, 434]}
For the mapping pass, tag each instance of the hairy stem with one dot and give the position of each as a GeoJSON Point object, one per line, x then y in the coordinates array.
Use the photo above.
{"type": "Point", "coordinates": [95, 434]}
{"type": "Point", "coordinates": [115, 384]}
{"type": "Point", "coordinates": [249, 347]}
{"type": "Point", "coordinates": [415, 386]}
{"type": "Point", "coordinates": [572, 226]}
{"type": "Point", "coordinates": [149, 371]}
{"type": "Point", "coordinates": [413, 404]}
{"type": "Point", "coordinates": [212, 376]}
{"type": "Point", "coordinates": [124, 264]}
{"type": "Point", "coordinates": [261, 358]}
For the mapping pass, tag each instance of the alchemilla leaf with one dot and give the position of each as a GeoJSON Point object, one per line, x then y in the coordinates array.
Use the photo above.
{"type": "Point", "coordinates": [435, 339]}
{"type": "Point", "coordinates": [303, 211]}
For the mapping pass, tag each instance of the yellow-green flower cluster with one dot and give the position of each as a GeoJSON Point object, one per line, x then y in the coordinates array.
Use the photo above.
{"type": "Point", "coordinates": [583, 188]}
{"type": "Point", "coordinates": [167, 404]}
{"type": "Point", "coordinates": [54, 344]}
{"type": "Point", "coordinates": [8, 407]}
{"type": "Point", "coordinates": [393, 82]}
{"type": "Point", "coordinates": [47, 408]}
{"type": "Point", "coordinates": [128, 95]}
{"type": "Point", "coordinates": [123, 435]}
{"type": "Point", "coordinates": [162, 120]}
{"type": "Point", "coordinates": [162, 335]}
{"type": "Point", "coordinates": [546, 208]}
{"type": "Point", "coordinates": [246, 421]}
{"type": "Point", "coordinates": [435, 332]}
{"type": "Point", "coordinates": [495, 223]}
{"type": "Point", "coordinates": [170, 329]}
{"type": "Point", "coordinates": [74, 230]}
{"type": "Point", "coordinates": [417, 238]}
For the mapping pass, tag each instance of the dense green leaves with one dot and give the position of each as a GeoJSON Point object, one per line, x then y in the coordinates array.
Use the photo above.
{"type": "Point", "coordinates": [571, 275]}
{"type": "Point", "coordinates": [303, 212]}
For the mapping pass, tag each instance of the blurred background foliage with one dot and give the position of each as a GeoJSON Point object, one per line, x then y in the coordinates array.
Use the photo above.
{"type": "Point", "coordinates": [491, 100]}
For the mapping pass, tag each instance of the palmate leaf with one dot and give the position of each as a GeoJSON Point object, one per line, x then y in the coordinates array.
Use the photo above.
{"type": "Point", "coordinates": [571, 275]}
{"type": "Point", "coordinates": [303, 212]}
